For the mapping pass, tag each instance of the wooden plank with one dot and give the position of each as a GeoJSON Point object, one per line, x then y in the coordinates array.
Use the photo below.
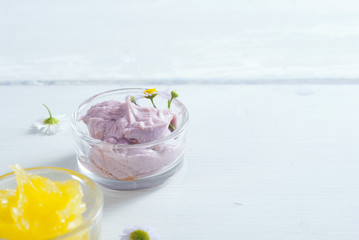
{"type": "Point", "coordinates": [262, 161]}
{"type": "Point", "coordinates": [178, 39]}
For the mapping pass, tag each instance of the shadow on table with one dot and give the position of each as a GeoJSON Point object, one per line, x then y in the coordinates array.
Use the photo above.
{"type": "Point", "coordinates": [67, 161]}
{"type": "Point", "coordinates": [117, 199]}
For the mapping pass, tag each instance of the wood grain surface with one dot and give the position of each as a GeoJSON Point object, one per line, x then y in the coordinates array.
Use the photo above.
{"type": "Point", "coordinates": [263, 162]}
{"type": "Point", "coordinates": [178, 39]}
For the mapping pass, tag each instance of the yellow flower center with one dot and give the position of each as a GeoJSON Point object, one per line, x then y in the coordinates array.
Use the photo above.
{"type": "Point", "coordinates": [139, 235]}
{"type": "Point", "coordinates": [150, 91]}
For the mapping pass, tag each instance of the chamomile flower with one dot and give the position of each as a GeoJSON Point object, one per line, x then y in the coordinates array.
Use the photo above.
{"type": "Point", "coordinates": [51, 125]}
{"type": "Point", "coordinates": [139, 233]}
{"type": "Point", "coordinates": [151, 93]}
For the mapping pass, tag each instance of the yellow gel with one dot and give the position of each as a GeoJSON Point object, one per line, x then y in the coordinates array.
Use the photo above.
{"type": "Point", "coordinates": [40, 208]}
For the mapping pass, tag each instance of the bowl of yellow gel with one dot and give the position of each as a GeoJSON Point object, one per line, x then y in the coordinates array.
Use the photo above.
{"type": "Point", "coordinates": [49, 203]}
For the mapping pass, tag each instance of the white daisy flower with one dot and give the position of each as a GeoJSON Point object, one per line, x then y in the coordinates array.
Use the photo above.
{"type": "Point", "coordinates": [51, 125]}
{"type": "Point", "coordinates": [152, 92]}
{"type": "Point", "coordinates": [139, 233]}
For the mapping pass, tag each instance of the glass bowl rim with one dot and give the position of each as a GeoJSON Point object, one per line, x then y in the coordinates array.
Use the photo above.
{"type": "Point", "coordinates": [93, 141]}
{"type": "Point", "coordinates": [92, 185]}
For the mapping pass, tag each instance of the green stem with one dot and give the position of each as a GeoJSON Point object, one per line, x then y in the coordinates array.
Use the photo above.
{"type": "Point", "coordinates": [153, 102]}
{"type": "Point", "coordinates": [133, 100]}
{"type": "Point", "coordinates": [50, 120]}
{"type": "Point", "coordinates": [172, 127]}
{"type": "Point", "coordinates": [48, 110]}
{"type": "Point", "coordinates": [169, 103]}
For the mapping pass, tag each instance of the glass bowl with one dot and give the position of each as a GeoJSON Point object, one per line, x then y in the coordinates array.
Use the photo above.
{"type": "Point", "coordinates": [92, 196]}
{"type": "Point", "coordinates": [126, 166]}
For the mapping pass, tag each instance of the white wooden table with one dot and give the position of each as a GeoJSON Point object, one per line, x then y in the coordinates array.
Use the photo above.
{"type": "Point", "coordinates": [68, 40]}
{"type": "Point", "coordinates": [263, 162]}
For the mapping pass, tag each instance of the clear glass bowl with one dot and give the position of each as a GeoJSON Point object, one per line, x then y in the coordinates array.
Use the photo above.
{"type": "Point", "coordinates": [118, 166]}
{"type": "Point", "coordinates": [92, 196]}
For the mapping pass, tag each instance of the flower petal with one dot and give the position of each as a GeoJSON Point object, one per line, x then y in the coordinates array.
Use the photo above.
{"type": "Point", "coordinates": [50, 129]}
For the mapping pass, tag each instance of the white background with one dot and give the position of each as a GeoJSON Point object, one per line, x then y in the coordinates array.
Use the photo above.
{"type": "Point", "coordinates": [178, 40]}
